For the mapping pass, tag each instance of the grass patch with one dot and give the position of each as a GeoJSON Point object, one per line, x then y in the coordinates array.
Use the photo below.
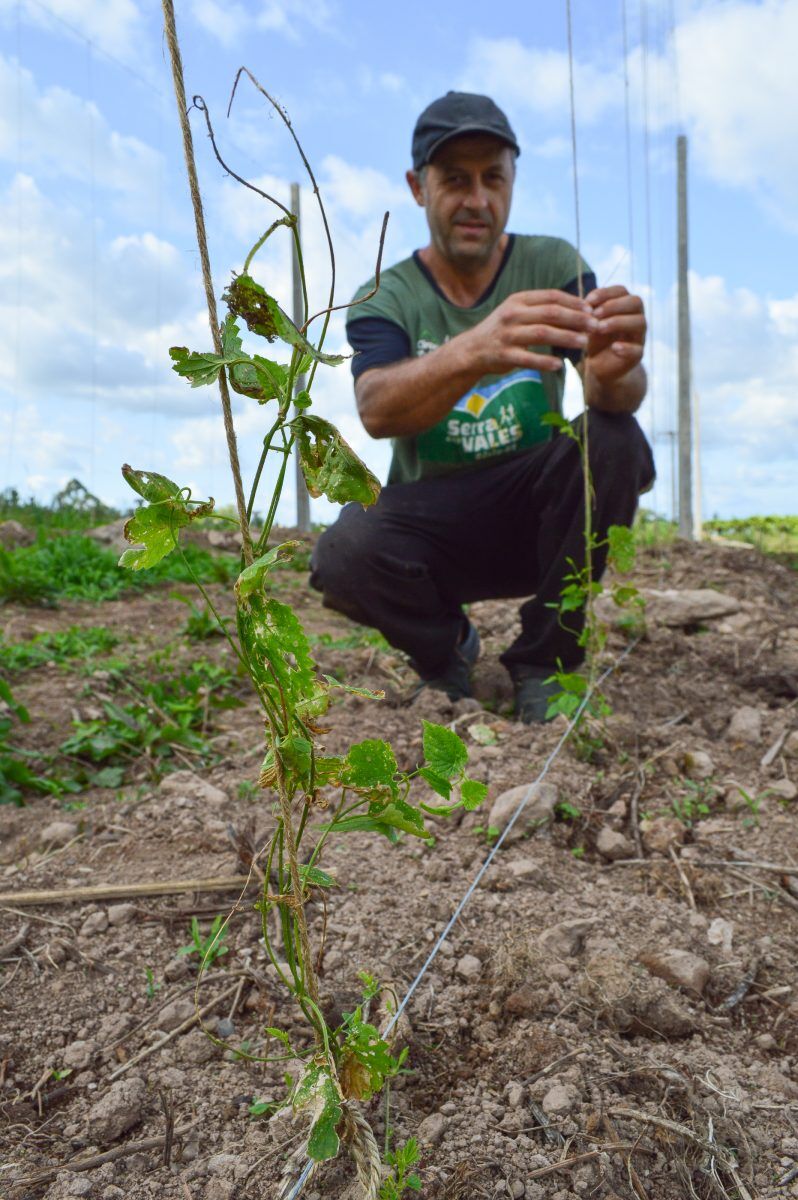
{"type": "Point", "coordinates": [74, 567]}
{"type": "Point", "coordinates": [85, 642]}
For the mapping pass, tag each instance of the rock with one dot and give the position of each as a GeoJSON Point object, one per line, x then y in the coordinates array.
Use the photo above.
{"type": "Point", "coordinates": [431, 1129]}
{"type": "Point", "coordinates": [175, 1014]}
{"type": "Point", "coordinates": [566, 937]}
{"type": "Point", "coordinates": [698, 765]}
{"type": "Point", "coordinates": [721, 933]}
{"type": "Point", "coordinates": [660, 833]}
{"type": "Point", "coordinates": [120, 914]}
{"type": "Point", "coordinates": [630, 1001]}
{"type": "Point", "coordinates": [613, 845]}
{"type": "Point", "coordinates": [96, 922]}
{"type": "Point", "coordinates": [120, 1109]}
{"type": "Point", "coordinates": [220, 1189]}
{"type": "Point", "coordinates": [13, 534]}
{"type": "Point", "coordinates": [790, 747]}
{"type": "Point", "coordinates": [223, 1164]}
{"type": "Point", "coordinates": [745, 726]}
{"type": "Point", "coordinates": [186, 790]}
{"type": "Point", "coordinates": [525, 868]}
{"type": "Point", "coordinates": [225, 1028]}
{"type": "Point", "coordinates": [680, 968]}
{"type": "Point", "coordinates": [515, 1094]}
{"type": "Point", "coordinates": [79, 1054]}
{"type": "Point", "coordinates": [689, 607]}
{"type": "Point", "coordinates": [112, 534]}
{"type": "Point", "coordinates": [537, 811]}
{"type": "Point", "coordinates": [177, 968]}
{"type": "Point", "coordinates": [517, 1189]}
{"type": "Point", "coordinates": [559, 1100]}
{"type": "Point", "coordinates": [68, 1184]}
{"type": "Point", "coordinates": [58, 833]}
{"type": "Point", "coordinates": [783, 789]}
{"type": "Point", "coordinates": [196, 1049]}
{"type": "Point", "coordinates": [469, 968]}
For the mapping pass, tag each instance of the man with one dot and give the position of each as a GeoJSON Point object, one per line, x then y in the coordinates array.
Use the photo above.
{"type": "Point", "coordinates": [458, 357]}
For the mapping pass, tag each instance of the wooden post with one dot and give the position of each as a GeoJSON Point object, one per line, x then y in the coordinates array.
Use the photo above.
{"type": "Point", "coordinates": [686, 517]}
{"type": "Point", "coordinates": [302, 497]}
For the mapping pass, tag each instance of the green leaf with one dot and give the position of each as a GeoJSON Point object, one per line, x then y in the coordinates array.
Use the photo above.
{"type": "Point", "coordinates": [263, 315]}
{"type": "Point", "coordinates": [317, 1093]}
{"type": "Point", "coordinates": [445, 753]}
{"type": "Point", "coordinates": [330, 466]}
{"type": "Point", "coordinates": [199, 369]}
{"type": "Point", "coordinates": [314, 877]}
{"type": "Point", "coordinates": [252, 577]}
{"type": "Point", "coordinates": [437, 782]}
{"type": "Point", "coordinates": [355, 691]}
{"type": "Point", "coordinates": [473, 793]}
{"type": "Point", "coordinates": [621, 547]}
{"type": "Point", "coordinates": [154, 529]}
{"type": "Point", "coordinates": [19, 710]}
{"type": "Point", "coordinates": [278, 653]}
{"type": "Point", "coordinates": [108, 777]}
{"type": "Point", "coordinates": [360, 823]}
{"type": "Point", "coordinates": [400, 815]}
{"type": "Point", "coordinates": [370, 764]}
{"type": "Point", "coordinates": [279, 1034]}
{"type": "Point", "coordinates": [482, 734]}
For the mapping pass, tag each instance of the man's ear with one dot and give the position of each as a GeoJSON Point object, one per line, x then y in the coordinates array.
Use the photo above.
{"type": "Point", "coordinates": [416, 187]}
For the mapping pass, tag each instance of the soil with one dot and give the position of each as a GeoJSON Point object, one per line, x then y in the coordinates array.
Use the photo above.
{"type": "Point", "coordinates": [613, 1015]}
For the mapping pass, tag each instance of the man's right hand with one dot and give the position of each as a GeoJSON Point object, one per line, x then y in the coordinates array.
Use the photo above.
{"type": "Point", "coordinates": [501, 342]}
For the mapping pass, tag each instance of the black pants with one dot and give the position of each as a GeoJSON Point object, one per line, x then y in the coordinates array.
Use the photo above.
{"type": "Point", "coordinates": [514, 528]}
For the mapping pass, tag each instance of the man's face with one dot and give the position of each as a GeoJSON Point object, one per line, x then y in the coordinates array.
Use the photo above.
{"type": "Point", "coordinates": [466, 191]}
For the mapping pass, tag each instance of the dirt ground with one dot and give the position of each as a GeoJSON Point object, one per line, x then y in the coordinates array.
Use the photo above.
{"type": "Point", "coordinates": [614, 1015]}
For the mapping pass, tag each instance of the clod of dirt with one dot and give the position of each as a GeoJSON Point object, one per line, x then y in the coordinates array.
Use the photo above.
{"type": "Point", "coordinates": [120, 914]}
{"type": "Point", "coordinates": [175, 1014]}
{"type": "Point", "coordinates": [538, 810]}
{"type": "Point", "coordinates": [431, 1129]}
{"type": "Point", "coordinates": [184, 789]}
{"type": "Point", "coordinates": [78, 1055]}
{"type": "Point", "coordinates": [96, 922]}
{"type": "Point", "coordinates": [526, 869]}
{"type": "Point", "coordinates": [612, 844]}
{"type": "Point", "coordinates": [631, 1002]}
{"type": "Point", "coordinates": [559, 1100]}
{"type": "Point", "coordinates": [567, 937]}
{"type": "Point", "coordinates": [58, 833]}
{"type": "Point", "coordinates": [120, 1109]}
{"type": "Point", "coordinates": [469, 967]}
{"type": "Point", "coordinates": [745, 726]}
{"type": "Point", "coordinates": [698, 764]}
{"type": "Point", "coordinates": [660, 833]}
{"type": "Point", "coordinates": [680, 968]}
{"type": "Point", "coordinates": [790, 749]}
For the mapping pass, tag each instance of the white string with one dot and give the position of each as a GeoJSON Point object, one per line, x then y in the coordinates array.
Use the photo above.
{"type": "Point", "coordinates": [627, 123]}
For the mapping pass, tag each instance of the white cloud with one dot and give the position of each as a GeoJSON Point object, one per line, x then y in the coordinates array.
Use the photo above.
{"type": "Point", "coordinates": [537, 80]}
{"type": "Point", "coordinates": [56, 134]}
{"type": "Point", "coordinates": [114, 26]}
{"type": "Point", "coordinates": [229, 23]}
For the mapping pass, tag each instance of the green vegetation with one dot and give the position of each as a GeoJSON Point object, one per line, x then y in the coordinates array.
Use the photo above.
{"type": "Point", "coordinates": [771, 535]}
{"type": "Point", "coordinates": [74, 508]}
{"type": "Point", "coordinates": [207, 948]}
{"type": "Point", "coordinates": [84, 642]}
{"type": "Point", "coordinates": [73, 567]}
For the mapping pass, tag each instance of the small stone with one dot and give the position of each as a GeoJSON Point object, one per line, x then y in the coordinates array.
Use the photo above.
{"type": "Point", "coordinates": [745, 726]}
{"type": "Point", "coordinates": [515, 1094]}
{"type": "Point", "coordinates": [196, 1049]}
{"type": "Point", "coordinates": [538, 810]}
{"type": "Point", "coordinates": [612, 844]}
{"type": "Point", "coordinates": [96, 922]}
{"type": "Point", "coordinates": [78, 1055]}
{"type": "Point", "coordinates": [721, 933]}
{"type": "Point", "coordinates": [58, 833]}
{"type": "Point", "coordinates": [698, 765]}
{"type": "Point", "coordinates": [120, 914]}
{"type": "Point", "coordinates": [188, 789]}
{"type": "Point", "coordinates": [223, 1164]}
{"type": "Point", "coordinates": [680, 968]}
{"type": "Point", "coordinates": [175, 1014]}
{"type": "Point", "coordinates": [660, 833]}
{"type": "Point", "coordinates": [559, 1100]}
{"type": "Point", "coordinates": [220, 1189]}
{"type": "Point", "coordinates": [766, 1041]}
{"type": "Point", "coordinates": [783, 789]}
{"type": "Point", "coordinates": [469, 968]}
{"type": "Point", "coordinates": [566, 937]}
{"type": "Point", "coordinates": [525, 868]}
{"type": "Point", "coordinates": [431, 1129]}
{"type": "Point", "coordinates": [225, 1028]}
{"type": "Point", "coordinates": [120, 1109]}
{"type": "Point", "coordinates": [517, 1189]}
{"type": "Point", "coordinates": [790, 747]}
{"type": "Point", "coordinates": [177, 968]}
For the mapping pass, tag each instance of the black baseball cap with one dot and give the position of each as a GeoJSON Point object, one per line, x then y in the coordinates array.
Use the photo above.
{"type": "Point", "coordinates": [454, 114]}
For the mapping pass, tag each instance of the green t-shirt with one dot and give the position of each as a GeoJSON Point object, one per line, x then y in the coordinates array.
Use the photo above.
{"type": "Point", "coordinates": [500, 414]}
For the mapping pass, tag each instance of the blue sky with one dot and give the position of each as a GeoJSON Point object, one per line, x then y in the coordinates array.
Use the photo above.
{"type": "Point", "coordinates": [97, 254]}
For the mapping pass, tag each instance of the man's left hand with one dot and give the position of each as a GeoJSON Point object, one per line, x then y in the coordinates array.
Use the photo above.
{"type": "Point", "coordinates": [616, 347]}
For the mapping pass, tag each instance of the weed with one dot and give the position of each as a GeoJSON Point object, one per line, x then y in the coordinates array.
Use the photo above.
{"type": "Point", "coordinates": [17, 772]}
{"type": "Point", "coordinates": [200, 623]}
{"type": "Point", "coordinates": [567, 812]}
{"type": "Point", "coordinates": [488, 832]}
{"type": "Point", "coordinates": [578, 851]}
{"type": "Point", "coordinates": [79, 641]}
{"type": "Point", "coordinates": [210, 947]}
{"type": "Point", "coordinates": [694, 801]}
{"type": "Point", "coordinates": [73, 508]}
{"type": "Point", "coordinates": [402, 1177]}
{"type": "Point", "coordinates": [151, 987]}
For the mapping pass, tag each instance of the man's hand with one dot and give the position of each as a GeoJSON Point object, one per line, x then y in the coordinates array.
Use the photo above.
{"type": "Point", "coordinates": [501, 342]}
{"type": "Point", "coordinates": [616, 345]}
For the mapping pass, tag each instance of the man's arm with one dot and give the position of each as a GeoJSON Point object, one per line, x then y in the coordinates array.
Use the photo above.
{"type": "Point", "coordinates": [613, 376]}
{"type": "Point", "coordinates": [411, 396]}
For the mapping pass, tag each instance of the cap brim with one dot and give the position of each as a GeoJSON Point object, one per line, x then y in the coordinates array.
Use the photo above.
{"type": "Point", "coordinates": [462, 131]}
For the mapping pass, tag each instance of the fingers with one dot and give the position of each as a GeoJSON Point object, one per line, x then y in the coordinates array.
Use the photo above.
{"type": "Point", "coordinates": [632, 327]}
